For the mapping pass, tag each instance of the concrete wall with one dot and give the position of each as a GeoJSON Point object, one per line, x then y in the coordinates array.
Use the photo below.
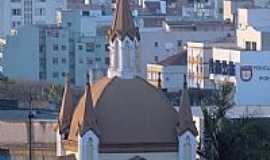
{"type": "Point", "coordinates": [14, 137]}
{"type": "Point", "coordinates": [250, 35]}
{"type": "Point", "coordinates": [21, 54]}
{"type": "Point", "coordinates": [43, 132]}
{"type": "Point", "coordinates": [173, 77]}
{"type": "Point", "coordinates": [265, 40]}
{"type": "Point", "coordinates": [226, 55]}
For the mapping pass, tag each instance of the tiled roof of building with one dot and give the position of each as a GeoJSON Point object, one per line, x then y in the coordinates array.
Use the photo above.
{"type": "Point", "coordinates": [177, 59]}
{"type": "Point", "coordinates": [84, 118]}
{"type": "Point", "coordinates": [130, 111]}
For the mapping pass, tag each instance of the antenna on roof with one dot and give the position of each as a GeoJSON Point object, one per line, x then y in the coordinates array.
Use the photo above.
{"type": "Point", "coordinates": [185, 82]}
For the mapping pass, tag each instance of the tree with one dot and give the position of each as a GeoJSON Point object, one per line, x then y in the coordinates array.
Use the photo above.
{"type": "Point", "coordinates": [231, 139]}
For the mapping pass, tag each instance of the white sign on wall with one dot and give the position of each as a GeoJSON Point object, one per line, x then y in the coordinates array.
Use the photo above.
{"type": "Point", "coordinates": [253, 79]}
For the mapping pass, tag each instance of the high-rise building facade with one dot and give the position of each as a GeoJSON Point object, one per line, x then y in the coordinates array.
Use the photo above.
{"type": "Point", "coordinates": [16, 13]}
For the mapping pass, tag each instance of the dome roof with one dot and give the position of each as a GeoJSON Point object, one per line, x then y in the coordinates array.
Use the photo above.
{"type": "Point", "coordinates": [130, 111]}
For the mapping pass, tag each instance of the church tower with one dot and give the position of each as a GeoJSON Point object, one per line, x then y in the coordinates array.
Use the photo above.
{"type": "Point", "coordinates": [65, 117]}
{"type": "Point", "coordinates": [124, 44]}
{"type": "Point", "coordinates": [88, 136]}
{"type": "Point", "coordinates": [186, 129]}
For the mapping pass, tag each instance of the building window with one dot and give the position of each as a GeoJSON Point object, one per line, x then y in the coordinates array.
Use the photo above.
{"type": "Point", "coordinates": [179, 43]}
{"type": "Point", "coordinates": [89, 61]}
{"type": "Point", "coordinates": [55, 75]}
{"type": "Point", "coordinates": [69, 24]}
{"type": "Point", "coordinates": [98, 59]}
{"type": "Point", "coordinates": [16, 12]}
{"type": "Point", "coordinates": [231, 69]}
{"type": "Point", "coordinates": [248, 45]}
{"type": "Point", "coordinates": [156, 44]}
{"type": "Point", "coordinates": [91, 148]}
{"type": "Point", "coordinates": [63, 47]}
{"type": "Point", "coordinates": [107, 61]}
{"type": "Point", "coordinates": [218, 67]}
{"type": "Point", "coordinates": [254, 46]}
{"type": "Point", "coordinates": [90, 47]}
{"type": "Point", "coordinates": [81, 61]}
{"type": "Point", "coordinates": [224, 67]}
{"type": "Point", "coordinates": [64, 61]}
{"type": "Point", "coordinates": [156, 59]}
{"type": "Point", "coordinates": [85, 13]}
{"type": "Point", "coordinates": [55, 47]}
{"type": "Point", "coordinates": [40, 11]}
{"type": "Point", "coordinates": [211, 66]}
{"type": "Point", "coordinates": [15, 1]}
{"type": "Point", "coordinates": [98, 46]}
{"type": "Point", "coordinates": [107, 47]}
{"type": "Point", "coordinates": [80, 47]}
{"type": "Point", "coordinates": [55, 60]}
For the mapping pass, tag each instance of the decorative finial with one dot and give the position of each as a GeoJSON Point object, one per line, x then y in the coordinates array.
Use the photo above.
{"type": "Point", "coordinates": [87, 78]}
{"type": "Point", "coordinates": [159, 80]}
{"type": "Point", "coordinates": [185, 81]}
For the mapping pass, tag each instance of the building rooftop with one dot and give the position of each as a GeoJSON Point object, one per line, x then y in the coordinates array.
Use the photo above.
{"type": "Point", "coordinates": [177, 59]}
{"type": "Point", "coordinates": [22, 114]}
{"type": "Point", "coordinates": [197, 25]}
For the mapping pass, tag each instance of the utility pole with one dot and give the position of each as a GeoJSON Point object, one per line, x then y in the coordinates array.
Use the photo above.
{"type": "Point", "coordinates": [30, 116]}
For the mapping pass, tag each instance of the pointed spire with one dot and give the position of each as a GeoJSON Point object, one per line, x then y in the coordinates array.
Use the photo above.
{"type": "Point", "coordinates": [123, 24]}
{"type": "Point", "coordinates": [66, 110]}
{"type": "Point", "coordinates": [185, 118]}
{"type": "Point", "coordinates": [88, 120]}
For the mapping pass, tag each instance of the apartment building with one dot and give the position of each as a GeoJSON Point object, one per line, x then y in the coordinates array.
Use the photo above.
{"type": "Point", "coordinates": [171, 37]}
{"type": "Point", "coordinates": [168, 74]}
{"type": "Point", "coordinates": [16, 13]}
{"type": "Point", "coordinates": [219, 60]}
{"type": "Point", "coordinates": [54, 50]}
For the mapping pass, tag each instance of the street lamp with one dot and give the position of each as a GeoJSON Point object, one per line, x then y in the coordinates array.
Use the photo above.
{"type": "Point", "coordinates": [30, 117]}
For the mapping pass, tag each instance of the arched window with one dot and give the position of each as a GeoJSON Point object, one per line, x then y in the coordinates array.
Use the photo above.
{"type": "Point", "coordinates": [187, 149]}
{"type": "Point", "coordinates": [91, 148]}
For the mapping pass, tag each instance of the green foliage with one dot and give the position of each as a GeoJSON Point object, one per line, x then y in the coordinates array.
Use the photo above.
{"type": "Point", "coordinates": [55, 94]}
{"type": "Point", "coordinates": [22, 90]}
{"type": "Point", "coordinates": [231, 139]}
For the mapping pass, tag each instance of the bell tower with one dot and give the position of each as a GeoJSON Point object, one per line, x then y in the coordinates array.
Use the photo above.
{"type": "Point", "coordinates": [124, 43]}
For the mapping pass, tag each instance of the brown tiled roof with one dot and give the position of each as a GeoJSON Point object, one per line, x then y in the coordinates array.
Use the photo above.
{"type": "Point", "coordinates": [84, 118]}
{"type": "Point", "coordinates": [185, 118]}
{"type": "Point", "coordinates": [66, 110]}
{"type": "Point", "coordinates": [177, 59]}
{"type": "Point", "coordinates": [123, 24]}
{"type": "Point", "coordinates": [130, 111]}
